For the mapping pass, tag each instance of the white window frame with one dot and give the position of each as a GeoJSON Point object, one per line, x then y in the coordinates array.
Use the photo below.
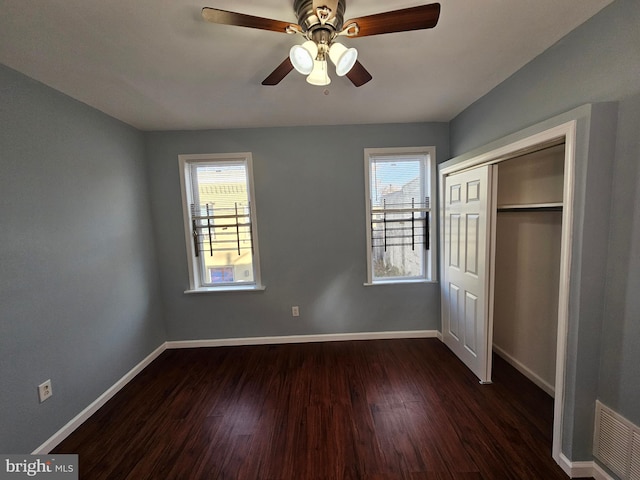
{"type": "Point", "coordinates": [186, 162]}
{"type": "Point", "coordinates": [430, 267]}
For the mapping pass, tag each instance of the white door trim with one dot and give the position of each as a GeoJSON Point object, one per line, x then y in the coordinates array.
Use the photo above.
{"type": "Point", "coordinates": [566, 132]}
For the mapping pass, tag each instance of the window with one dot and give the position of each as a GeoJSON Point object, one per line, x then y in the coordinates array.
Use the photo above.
{"type": "Point", "coordinates": [220, 222]}
{"type": "Point", "coordinates": [399, 186]}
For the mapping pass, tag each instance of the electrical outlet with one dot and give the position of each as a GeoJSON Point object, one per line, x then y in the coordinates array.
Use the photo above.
{"type": "Point", "coordinates": [44, 390]}
{"type": "Point", "coordinates": [295, 311]}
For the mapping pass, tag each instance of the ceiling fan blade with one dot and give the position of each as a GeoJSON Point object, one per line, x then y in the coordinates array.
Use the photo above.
{"type": "Point", "coordinates": [279, 73]}
{"type": "Point", "coordinates": [224, 17]}
{"type": "Point", "coordinates": [414, 18]}
{"type": "Point", "coordinates": [358, 75]}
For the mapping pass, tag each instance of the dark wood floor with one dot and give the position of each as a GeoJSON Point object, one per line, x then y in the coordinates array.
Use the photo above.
{"type": "Point", "coordinates": [383, 409]}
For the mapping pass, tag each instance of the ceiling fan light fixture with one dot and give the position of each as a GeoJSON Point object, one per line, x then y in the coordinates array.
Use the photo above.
{"type": "Point", "coordinates": [319, 75]}
{"type": "Point", "coordinates": [303, 57]}
{"type": "Point", "coordinates": [343, 58]}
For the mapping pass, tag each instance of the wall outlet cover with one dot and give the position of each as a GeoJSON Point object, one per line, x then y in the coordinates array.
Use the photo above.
{"type": "Point", "coordinates": [45, 391]}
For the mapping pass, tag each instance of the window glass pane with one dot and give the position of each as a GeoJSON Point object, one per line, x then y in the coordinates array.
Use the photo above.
{"type": "Point", "coordinates": [396, 180]}
{"type": "Point", "coordinates": [397, 188]}
{"type": "Point", "coordinates": [224, 234]}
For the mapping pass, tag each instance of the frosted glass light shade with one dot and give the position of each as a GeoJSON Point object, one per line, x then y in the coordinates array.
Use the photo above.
{"type": "Point", "coordinates": [319, 75]}
{"type": "Point", "coordinates": [343, 58]}
{"type": "Point", "coordinates": [303, 56]}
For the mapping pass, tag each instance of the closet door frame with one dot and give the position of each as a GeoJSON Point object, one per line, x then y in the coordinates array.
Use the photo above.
{"type": "Point", "coordinates": [563, 133]}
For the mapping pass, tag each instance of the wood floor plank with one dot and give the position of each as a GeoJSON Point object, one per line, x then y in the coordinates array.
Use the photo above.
{"type": "Point", "coordinates": [436, 432]}
{"type": "Point", "coordinates": [366, 410]}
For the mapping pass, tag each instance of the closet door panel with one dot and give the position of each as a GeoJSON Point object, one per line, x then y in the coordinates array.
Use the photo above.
{"type": "Point", "coordinates": [470, 322]}
{"type": "Point", "coordinates": [454, 241]}
{"type": "Point", "coordinates": [454, 319]}
{"type": "Point", "coordinates": [465, 283]}
{"type": "Point", "coordinates": [472, 244]}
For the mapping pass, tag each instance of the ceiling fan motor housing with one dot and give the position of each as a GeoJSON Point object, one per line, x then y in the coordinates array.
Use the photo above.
{"type": "Point", "coordinates": [310, 22]}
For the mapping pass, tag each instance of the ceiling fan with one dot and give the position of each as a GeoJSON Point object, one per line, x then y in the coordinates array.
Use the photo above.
{"type": "Point", "coordinates": [320, 22]}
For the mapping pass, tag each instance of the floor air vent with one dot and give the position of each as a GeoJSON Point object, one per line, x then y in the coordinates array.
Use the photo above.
{"type": "Point", "coordinates": [617, 443]}
{"type": "Point", "coordinates": [634, 469]}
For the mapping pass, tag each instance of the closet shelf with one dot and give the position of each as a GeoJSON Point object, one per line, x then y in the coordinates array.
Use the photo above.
{"type": "Point", "coordinates": [531, 207]}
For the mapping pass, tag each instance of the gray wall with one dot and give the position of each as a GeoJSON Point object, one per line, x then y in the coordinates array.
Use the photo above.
{"type": "Point", "coordinates": [597, 62]}
{"type": "Point", "coordinates": [79, 301]}
{"type": "Point", "coordinates": [311, 218]}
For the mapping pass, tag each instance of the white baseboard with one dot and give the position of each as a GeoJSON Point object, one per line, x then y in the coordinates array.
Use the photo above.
{"type": "Point", "coordinates": [599, 474]}
{"type": "Point", "coordinates": [583, 469]}
{"type": "Point", "coordinates": [330, 337]}
{"type": "Point", "coordinates": [550, 389]}
{"type": "Point", "coordinates": [79, 419]}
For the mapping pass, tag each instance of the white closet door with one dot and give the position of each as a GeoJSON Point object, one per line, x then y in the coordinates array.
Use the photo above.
{"type": "Point", "coordinates": [465, 285]}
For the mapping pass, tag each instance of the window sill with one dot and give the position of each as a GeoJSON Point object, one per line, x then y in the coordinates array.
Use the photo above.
{"type": "Point", "coordinates": [228, 289]}
{"type": "Point", "coordinates": [398, 282]}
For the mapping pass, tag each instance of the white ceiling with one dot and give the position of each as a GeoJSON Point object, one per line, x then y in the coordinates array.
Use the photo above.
{"type": "Point", "coordinates": [156, 65]}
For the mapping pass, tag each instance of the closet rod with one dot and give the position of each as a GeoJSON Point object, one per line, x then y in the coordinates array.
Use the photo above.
{"type": "Point", "coordinates": [550, 207]}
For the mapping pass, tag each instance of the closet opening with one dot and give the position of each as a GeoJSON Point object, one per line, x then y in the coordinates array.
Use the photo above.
{"type": "Point", "coordinates": [527, 259]}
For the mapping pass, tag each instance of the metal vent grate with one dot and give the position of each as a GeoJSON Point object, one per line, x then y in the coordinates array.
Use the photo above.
{"type": "Point", "coordinates": [634, 467]}
{"type": "Point", "coordinates": [617, 443]}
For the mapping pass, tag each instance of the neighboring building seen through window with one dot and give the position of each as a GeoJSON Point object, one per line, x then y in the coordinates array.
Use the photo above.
{"type": "Point", "coordinates": [399, 188]}
{"type": "Point", "coordinates": [220, 224]}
